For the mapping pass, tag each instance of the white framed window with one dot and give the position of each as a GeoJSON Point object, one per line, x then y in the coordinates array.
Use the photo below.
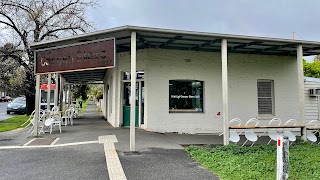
{"type": "Point", "coordinates": [265, 89]}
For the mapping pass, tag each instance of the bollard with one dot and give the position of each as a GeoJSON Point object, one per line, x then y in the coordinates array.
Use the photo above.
{"type": "Point", "coordinates": [282, 157]}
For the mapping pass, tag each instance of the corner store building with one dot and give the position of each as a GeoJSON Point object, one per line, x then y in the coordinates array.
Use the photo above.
{"type": "Point", "coordinates": [237, 76]}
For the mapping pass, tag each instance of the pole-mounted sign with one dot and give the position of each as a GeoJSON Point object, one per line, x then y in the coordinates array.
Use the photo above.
{"type": "Point", "coordinates": [97, 54]}
{"type": "Point", "coordinates": [282, 157]}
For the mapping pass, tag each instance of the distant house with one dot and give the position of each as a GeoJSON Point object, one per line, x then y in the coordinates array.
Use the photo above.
{"type": "Point", "coordinates": [312, 99]}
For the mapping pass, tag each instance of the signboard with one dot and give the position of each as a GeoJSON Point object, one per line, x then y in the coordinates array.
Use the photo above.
{"type": "Point", "coordinates": [83, 56]}
{"type": "Point", "coordinates": [45, 87]}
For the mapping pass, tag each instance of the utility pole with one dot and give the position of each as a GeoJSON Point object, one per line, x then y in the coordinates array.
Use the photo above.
{"type": "Point", "coordinates": [293, 35]}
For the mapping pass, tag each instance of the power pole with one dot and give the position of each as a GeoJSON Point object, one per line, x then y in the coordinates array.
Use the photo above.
{"type": "Point", "coordinates": [293, 35]}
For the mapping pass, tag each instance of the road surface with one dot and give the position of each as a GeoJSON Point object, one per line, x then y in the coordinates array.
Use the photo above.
{"type": "Point", "coordinates": [3, 111]}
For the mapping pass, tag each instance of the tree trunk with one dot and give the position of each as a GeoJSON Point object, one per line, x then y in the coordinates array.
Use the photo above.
{"type": "Point", "coordinates": [30, 92]}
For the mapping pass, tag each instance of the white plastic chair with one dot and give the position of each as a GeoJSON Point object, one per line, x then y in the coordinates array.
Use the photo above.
{"type": "Point", "coordinates": [55, 121]}
{"type": "Point", "coordinates": [249, 133]}
{"type": "Point", "coordinates": [310, 135]}
{"type": "Point", "coordinates": [29, 120]}
{"type": "Point", "coordinates": [55, 109]}
{"type": "Point", "coordinates": [288, 133]}
{"type": "Point", "coordinates": [32, 121]}
{"type": "Point", "coordinates": [66, 117]}
{"type": "Point", "coordinates": [235, 122]}
{"type": "Point", "coordinates": [40, 123]}
{"type": "Point", "coordinates": [233, 135]}
{"type": "Point", "coordinates": [72, 112]}
{"type": "Point", "coordinates": [272, 133]}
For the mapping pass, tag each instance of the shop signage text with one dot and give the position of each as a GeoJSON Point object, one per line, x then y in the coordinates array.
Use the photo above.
{"type": "Point", "coordinates": [185, 96]}
{"type": "Point", "coordinates": [91, 55]}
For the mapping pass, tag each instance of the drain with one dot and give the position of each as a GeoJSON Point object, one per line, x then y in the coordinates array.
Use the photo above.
{"type": "Point", "coordinates": [131, 153]}
{"type": "Point", "coordinates": [5, 139]}
{"type": "Point", "coordinates": [41, 141]}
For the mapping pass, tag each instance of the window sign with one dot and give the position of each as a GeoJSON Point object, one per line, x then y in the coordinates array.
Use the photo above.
{"type": "Point", "coordinates": [185, 96]}
{"type": "Point", "coordinates": [127, 75]}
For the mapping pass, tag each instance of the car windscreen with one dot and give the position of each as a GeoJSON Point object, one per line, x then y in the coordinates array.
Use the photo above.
{"type": "Point", "coordinates": [19, 100]}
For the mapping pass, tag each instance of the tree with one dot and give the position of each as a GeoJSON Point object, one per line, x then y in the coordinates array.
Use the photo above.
{"type": "Point", "coordinates": [11, 74]}
{"type": "Point", "coordinates": [96, 91]}
{"type": "Point", "coordinates": [317, 58]}
{"type": "Point", "coordinates": [30, 21]}
{"type": "Point", "coordinates": [80, 91]}
{"type": "Point", "coordinates": [312, 69]}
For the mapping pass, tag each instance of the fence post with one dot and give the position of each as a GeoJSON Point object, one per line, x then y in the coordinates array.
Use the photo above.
{"type": "Point", "coordinates": [282, 157]}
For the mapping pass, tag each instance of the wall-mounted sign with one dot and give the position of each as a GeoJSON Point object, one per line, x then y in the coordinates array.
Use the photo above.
{"type": "Point", "coordinates": [127, 75]}
{"type": "Point", "coordinates": [83, 56]}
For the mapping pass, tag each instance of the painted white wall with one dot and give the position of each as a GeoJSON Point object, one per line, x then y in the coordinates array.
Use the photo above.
{"type": "Point", "coordinates": [244, 70]}
{"type": "Point", "coordinates": [160, 66]}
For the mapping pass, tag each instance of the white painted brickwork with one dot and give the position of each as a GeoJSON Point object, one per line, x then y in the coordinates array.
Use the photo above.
{"type": "Point", "coordinates": [160, 66]}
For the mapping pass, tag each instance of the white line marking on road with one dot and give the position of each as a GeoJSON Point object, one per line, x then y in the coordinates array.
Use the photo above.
{"type": "Point", "coordinates": [114, 166]}
{"type": "Point", "coordinates": [115, 169]}
{"type": "Point", "coordinates": [48, 146]}
{"type": "Point", "coordinates": [26, 144]}
{"type": "Point", "coordinates": [55, 141]}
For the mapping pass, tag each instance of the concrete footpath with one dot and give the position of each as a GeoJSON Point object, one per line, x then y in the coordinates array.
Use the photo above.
{"type": "Point", "coordinates": [159, 156]}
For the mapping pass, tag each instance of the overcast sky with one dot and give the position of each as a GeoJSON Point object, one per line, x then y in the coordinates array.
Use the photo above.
{"type": "Point", "coordinates": [270, 18]}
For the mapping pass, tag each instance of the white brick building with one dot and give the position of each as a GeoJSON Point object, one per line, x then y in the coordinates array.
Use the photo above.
{"type": "Point", "coordinates": [160, 66]}
{"type": "Point", "coordinates": [195, 82]}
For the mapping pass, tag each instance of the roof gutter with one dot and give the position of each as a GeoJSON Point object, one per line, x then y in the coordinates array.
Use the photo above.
{"type": "Point", "coordinates": [175, 32]}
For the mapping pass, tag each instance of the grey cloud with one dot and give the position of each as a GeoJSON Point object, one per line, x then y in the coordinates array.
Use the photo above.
{"type": "Point", "coordinates": [275, 18]}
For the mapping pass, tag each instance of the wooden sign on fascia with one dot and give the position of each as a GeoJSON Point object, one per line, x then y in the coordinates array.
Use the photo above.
{"type": "Point", "coordinates": [83, 56]}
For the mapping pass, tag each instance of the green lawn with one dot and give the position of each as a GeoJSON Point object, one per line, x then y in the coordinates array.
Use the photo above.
{"type": "Point", "coordinates": [234, 162]}
{"type": "Point", "coordinates": [84, 105]}
{"type": "Point", "coordinates": [13, 123]}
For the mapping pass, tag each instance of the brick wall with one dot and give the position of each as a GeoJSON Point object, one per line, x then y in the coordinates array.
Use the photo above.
{"type": "Point", "coordinates": [160, 66]}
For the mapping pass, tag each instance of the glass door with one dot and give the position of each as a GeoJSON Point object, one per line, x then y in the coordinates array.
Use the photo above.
{"type": "Point", "coordinates": [139, 103]}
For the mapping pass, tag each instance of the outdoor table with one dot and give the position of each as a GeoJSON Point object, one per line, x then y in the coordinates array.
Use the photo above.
{"type": "Point", "coordinates": [270, 127]}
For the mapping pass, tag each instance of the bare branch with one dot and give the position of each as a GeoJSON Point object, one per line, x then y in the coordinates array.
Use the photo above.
{"type": "Point", "coordinates": [50, 33]}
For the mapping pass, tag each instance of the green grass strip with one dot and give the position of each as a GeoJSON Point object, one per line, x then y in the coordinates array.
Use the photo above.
{"type": "Point", "coordinates": [258, 162]}
{"type": "Point", "coordinates": [13, 123]}
{"type": "Point", "coordinates": [85, 104]}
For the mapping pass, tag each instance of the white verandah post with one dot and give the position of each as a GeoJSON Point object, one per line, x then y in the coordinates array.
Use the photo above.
{"type": "Point", "coordinates": [61, 84]}
{"type": "Point", "coordinates": [133, 91]}
{"type": "Point", "coordinates": [37, 101]}
{"type": "Point", "coordinates": [301, 91]}
{"type": "Point", "coordinates": [69, 94]}
{"type": "Point", "coordinates": [225, 113]}
{"type": "Point", "coordinates": [49, 92]}
{"type": "Point", "coordinates": [56, 90]}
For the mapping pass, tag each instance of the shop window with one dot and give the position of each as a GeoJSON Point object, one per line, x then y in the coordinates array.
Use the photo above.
{"type": "Point", "coordinates": [185, 96]}
{"type": "Point", "coordinates": [265, 97]}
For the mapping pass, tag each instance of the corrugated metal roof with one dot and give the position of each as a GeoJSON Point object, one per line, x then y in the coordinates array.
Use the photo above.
{"type": "Point", "coordinates": [180, 40]}
{"type": "Point", "coordinates": [190, 40]}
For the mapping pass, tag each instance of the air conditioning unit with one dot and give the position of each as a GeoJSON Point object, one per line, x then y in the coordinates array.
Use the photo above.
{"type": "Point", "coordinates": [314, 92]}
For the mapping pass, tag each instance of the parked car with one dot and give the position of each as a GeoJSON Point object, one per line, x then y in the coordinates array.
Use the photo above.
{"type": "Point", "coordinates": [17, 105]}
{"type": "Point", "coordinates": [5, 99]}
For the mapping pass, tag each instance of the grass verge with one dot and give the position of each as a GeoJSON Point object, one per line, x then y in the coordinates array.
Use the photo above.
{"type": "Point", "coordinates": [13, 123]}
{"type": "Point", "coordinates": [84, 105]}
{"type": "Point", "coordinates": [258, 162]}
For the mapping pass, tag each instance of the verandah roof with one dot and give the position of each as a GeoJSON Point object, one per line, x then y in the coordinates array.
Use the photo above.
{"type": "Point", "coordinates": [182, 40]}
